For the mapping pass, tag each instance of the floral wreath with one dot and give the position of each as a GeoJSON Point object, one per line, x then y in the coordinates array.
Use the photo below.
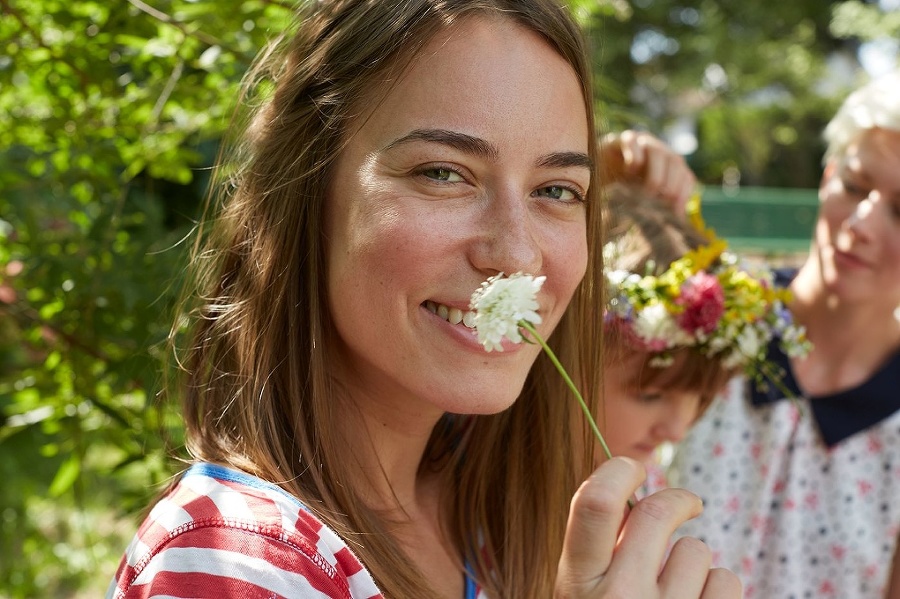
{"type": "Point", "coordinates": [708, 300]}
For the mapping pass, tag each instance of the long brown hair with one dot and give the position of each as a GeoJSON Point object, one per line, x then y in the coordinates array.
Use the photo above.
{"type": "Point", "coordinates": [256, 389]}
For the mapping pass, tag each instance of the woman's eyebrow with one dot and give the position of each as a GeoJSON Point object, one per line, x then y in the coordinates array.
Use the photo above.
{"type": "Point", "coordinates": [484, 149]}
{"type": "Point", "coordinates": [854, 167]}
{"type": "Point", "coordinates": [459, 141]}
{"type": "Point", "coordinates": [565, 160]}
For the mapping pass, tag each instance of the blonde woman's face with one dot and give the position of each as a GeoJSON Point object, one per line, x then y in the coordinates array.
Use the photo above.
{"type": "Point", "coordinates": [475, 163]}
{"type": "Point", "coordinates": [858, 231]}
{"type": "Point", "coordinates": [638, 420]}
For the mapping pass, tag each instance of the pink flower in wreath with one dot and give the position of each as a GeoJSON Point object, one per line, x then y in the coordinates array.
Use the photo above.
{"type": "Point", "coordinates": [622, 328]}
{"type": "Point", "coordinates": [704, 303]}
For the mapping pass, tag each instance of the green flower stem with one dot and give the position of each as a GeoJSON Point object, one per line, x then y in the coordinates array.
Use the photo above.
{"type": "Point", "coordinates": [584, 407]}
{"type": "Point", "coordinates": [587, 412]}
{"type": "Point", "coordinates": [765, 369]}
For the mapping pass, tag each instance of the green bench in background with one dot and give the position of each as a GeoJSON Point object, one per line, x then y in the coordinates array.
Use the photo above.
{"type": "Point", "coordinates": [763, 220]}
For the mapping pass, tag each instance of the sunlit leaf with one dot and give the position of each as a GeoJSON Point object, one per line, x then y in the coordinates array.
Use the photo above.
{"type": "Point", "coordinates": [65, 477]}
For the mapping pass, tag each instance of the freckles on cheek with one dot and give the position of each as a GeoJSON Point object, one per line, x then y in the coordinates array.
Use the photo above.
{"type": "Point", "coordinates": [385, 248]}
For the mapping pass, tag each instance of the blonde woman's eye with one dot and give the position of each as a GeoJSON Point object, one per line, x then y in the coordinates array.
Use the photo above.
{"type": "Point", "coordinates": [559, 192]}
{"type": "Point", "coordinates": [445, 175]}
{"type": "Point", "coordinates": [854, 189]}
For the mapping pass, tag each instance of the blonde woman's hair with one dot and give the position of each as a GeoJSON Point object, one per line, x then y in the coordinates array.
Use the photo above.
{"type": "Point", "coordinates": [256, 387]}
{"type": "Point", "coordinates": [875, 105]}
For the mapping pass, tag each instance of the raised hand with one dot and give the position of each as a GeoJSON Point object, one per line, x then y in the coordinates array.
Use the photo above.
{"type": "Point", "coordinates": [639, 157]}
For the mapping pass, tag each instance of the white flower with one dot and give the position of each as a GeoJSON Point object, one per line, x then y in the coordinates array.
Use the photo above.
{"type": "Point", "coordinates": [794, 342]}
{"type": "Point", "coordinates": [617, 277]}
{"type": "Point", "coordinates": [723, 339]}
{"type": "Point", "coordinates": [662, 360]}
{"type": "Point", "coordinates": [749, 342]}
{"type": "Point", "coordinates": [655, 325]}
{"type": "Point", "coordinates": [734, 359]}
{"type": "Point", "coordinates": [501, 303]}
{"type": "Point", "coordinates": [610, 252]}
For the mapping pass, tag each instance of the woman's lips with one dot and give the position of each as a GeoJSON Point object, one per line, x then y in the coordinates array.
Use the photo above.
{"type": "Point", "coordinates": [849, 260]}
{"type": "Point", "coordinates": [465, 333]}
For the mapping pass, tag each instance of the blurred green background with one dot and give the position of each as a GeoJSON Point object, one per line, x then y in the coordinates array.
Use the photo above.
{"type": "Point", "coordinates": [110, 117]}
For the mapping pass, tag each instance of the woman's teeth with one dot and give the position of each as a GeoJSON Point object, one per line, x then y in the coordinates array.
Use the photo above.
{"type": "Point", "coordinates": [452, 315]}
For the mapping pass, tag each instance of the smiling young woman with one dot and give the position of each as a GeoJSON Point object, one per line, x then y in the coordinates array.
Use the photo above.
{"type": "Point", "coordinates": [350, 437]}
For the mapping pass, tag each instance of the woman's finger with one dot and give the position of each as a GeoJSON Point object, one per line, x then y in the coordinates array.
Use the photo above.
{"type": "Point", "coordinates": [686, 187]}
{"type": "Point", "coordinates": [646, 536]}
{"type": "Point", "coordinates": [595, 519]}
{"type": "Point", "coordinates": [634, 155]}
{"type": "Point", "coordinates": [658, 171]}
{"type": "Point", "coordinates": [687, 569]}
{"type": "Point", "coordinates": [722, 584]}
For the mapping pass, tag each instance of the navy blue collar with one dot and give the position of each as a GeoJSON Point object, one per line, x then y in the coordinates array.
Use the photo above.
{"type": "Point", "coordinates": [842, 414]}
{"type": "Point", "coordinates": [839, 415]}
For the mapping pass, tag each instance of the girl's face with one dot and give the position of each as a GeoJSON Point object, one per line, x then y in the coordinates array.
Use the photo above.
{"type": "Point", "coordinates": [858, 231]}
{"type": "Point", "coordinates": [475, 163]}
{"type": "Point", "coordinates": [638, 420]}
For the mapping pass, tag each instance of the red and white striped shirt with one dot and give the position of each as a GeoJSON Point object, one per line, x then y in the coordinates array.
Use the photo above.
{"type": "Point", "coordinates": [221, 534]}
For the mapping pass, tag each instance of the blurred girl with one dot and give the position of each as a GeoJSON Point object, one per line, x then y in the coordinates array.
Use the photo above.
{"type": "Point", "coordinates": [683, 316]}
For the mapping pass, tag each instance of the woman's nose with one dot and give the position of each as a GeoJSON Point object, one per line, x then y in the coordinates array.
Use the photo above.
{"type": "Point", "coordinates": [866, 215]}
{"type": "Point", "coordinates": [509, 239]}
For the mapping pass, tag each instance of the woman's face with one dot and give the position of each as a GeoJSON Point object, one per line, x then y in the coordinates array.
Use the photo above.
{"type": "Point", "coordinates": [639, 419]}
{"type": "Point", "coordinates": [858, 231]}
{"type": "Point", "coordinates": [475, 163]}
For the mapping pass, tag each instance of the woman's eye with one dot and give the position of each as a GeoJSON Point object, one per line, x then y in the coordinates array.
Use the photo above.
{"type": "Point", "coordinates": [442, 174]}
{"type": "Point", "coordinates": [558, 192]}
{"type": "Point", "coordinates": [854, 189]}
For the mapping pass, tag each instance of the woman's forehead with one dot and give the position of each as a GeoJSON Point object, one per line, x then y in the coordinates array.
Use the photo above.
{"type": "Point", "coordinates": [490, 78]}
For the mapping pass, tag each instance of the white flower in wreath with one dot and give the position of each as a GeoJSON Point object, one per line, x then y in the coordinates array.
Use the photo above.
{"type": "Point", "coordinates": [749, 342]}
{"type": "Point", "coordinates": [656, 327]}
{"type": "Point", "coordinates": [617, 277]}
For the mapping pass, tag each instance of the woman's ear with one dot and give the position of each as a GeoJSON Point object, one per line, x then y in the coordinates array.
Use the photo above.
{"type": "Point", "coordinates": [828, 172]}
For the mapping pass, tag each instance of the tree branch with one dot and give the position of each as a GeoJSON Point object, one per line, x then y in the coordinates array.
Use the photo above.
{"type": "Point", "coordinates": [280, 4]}
{"type": "Point", "coordinates": [206, 38]}
{"type": "Point", "coordinates": [31, 316]}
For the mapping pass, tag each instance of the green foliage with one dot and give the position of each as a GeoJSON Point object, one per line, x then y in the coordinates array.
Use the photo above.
{"type": "Point", "coordinates": [110, 115]}
{"type": "Point", "coordinates": [752, 79]}
{"type": "Point", "coordinates": [856, 19]}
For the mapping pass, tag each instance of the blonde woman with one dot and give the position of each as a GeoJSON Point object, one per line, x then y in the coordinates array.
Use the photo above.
{"type": "Point", "coordinates": [801, 495]}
